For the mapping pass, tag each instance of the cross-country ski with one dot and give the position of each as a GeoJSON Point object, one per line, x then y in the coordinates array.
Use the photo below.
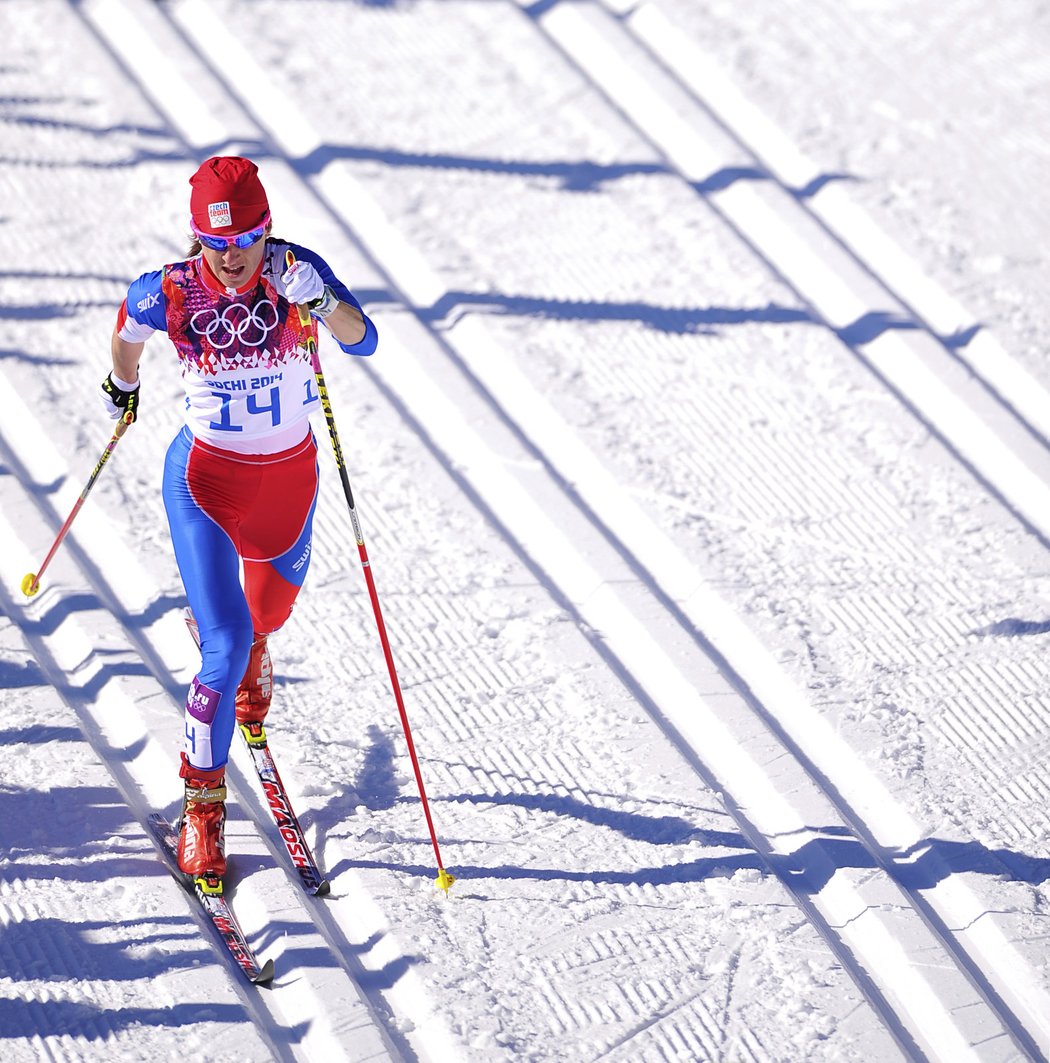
{"type": "Point", "coordinates": [210, 894]}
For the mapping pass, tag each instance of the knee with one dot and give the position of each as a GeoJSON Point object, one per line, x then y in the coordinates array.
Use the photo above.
{"type": "Point", "coordinates": [224, 652]}
{"type": "Point", "coordinates": [272, 619]}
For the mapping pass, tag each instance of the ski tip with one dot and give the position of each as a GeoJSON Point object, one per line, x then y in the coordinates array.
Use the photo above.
{"type": "Point", "coordinates": [323, 889]}
{"type": "Point", "coordinates": [265, 975]}
{"type": "Point", "coordinates": [445, 880]}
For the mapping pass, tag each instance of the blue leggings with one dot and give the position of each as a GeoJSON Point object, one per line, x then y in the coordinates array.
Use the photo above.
{"type": "Point", "coordinates": [226, 511]}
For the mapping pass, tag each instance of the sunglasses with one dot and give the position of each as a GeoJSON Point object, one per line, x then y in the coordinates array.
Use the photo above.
{"type": "Point", "coordinates": [241, 240]}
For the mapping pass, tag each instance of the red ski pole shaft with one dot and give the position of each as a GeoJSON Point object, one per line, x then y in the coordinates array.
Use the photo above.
{"type": "Point", "coordinates": [31, 581]}
{"type": "Point", "coordinates": [444, 879]}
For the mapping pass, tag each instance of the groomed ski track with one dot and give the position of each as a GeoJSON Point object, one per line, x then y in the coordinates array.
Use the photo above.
{"type": "Point", "coordinates": [469, 440]}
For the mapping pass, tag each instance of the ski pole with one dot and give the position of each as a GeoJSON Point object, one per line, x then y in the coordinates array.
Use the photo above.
{"type": "Point", "coordinates": [31, 580]}
{"type": "Point", "coordinates": [444, 879]}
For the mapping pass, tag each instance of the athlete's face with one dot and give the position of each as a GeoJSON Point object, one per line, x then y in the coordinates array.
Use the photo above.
{"type": "Point", "coordinates": [235, 265]}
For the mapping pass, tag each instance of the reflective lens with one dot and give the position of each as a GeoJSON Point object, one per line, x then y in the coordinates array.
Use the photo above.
{"type": "Point", "coordinates": [241, 240]}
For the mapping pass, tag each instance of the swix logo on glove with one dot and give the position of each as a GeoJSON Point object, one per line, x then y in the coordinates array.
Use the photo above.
{"type": "Point", "coordinates": [219, 214]}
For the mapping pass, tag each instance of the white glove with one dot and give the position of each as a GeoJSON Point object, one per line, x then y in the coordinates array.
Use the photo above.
{"type": "Point", "coordinates": [303, 284]}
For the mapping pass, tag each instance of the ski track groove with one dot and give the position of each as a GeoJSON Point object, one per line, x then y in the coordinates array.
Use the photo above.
{"type": "Point", "coordinates": [940, 313]}
{"type": "Point", "coordinates": [906, 627]}
{"type": "Point", "coordinates": [292, 1000]}
{"type": "Point", "coordinates": [832, 299]}
{"type": "Point", "coordinates": [674, 1040]}
{"type": "Point", "coordinates": [48, 648]}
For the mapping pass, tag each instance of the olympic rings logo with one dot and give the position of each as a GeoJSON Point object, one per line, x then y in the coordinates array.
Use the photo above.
{"type": "Point", "coordinates": [236, 323]}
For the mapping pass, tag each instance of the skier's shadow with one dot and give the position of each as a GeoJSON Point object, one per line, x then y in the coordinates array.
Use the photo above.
{"type": "Point", "coordinates": [808, 868]}
{"type": "Point", "coordinates": [375, 788]}
{"type": "Point", "coordinates": [919, 867]}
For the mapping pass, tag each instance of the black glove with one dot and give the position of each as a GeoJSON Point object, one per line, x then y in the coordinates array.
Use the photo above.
{"type": "Point", "coordinates": [119, 402]}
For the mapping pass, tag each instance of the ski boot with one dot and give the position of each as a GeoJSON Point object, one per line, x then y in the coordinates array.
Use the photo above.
{"type": "Point", "coordinates": [202, 841]}
{"type": "Point", "coordinates": [255, 692]}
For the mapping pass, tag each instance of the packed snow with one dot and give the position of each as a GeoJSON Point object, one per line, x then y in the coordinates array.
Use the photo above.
{"type": "Point", "coordinates": [702, 469]}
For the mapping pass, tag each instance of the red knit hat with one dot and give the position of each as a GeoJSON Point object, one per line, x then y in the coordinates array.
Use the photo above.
{"type": "Point", "coordinates": [227, 196]}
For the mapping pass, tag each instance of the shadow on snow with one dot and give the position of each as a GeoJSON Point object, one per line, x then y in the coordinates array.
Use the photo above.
{"type": "Point", "coordinates": [807, 870]}
{"type": "Point", "coordinates": [68, 1018]}
{"type": "Point", "coordinates": [1011, 627]}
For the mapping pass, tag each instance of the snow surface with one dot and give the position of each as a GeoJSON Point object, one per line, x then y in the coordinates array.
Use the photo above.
{"type": "Point", "coordinates": [702, 467]}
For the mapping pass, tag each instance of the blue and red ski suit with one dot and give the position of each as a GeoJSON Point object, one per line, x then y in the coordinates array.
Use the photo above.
{"type": "Point", "coordinates": [240, 478]}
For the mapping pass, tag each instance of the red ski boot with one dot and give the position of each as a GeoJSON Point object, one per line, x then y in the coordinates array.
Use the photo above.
{"type": "Point", "coordinates": [202, 842]}
{"type": "Point", "coordinates": [255, 692]}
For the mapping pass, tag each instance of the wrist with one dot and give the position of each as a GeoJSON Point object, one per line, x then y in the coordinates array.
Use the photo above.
{"type": "Point", "coordinates": [124, 385]}
{"type": "Point", "coordinates": [325, 304]}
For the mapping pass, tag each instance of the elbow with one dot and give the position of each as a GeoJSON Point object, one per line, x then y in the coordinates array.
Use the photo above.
{"type": "Point", "coordinates": [366, 345]}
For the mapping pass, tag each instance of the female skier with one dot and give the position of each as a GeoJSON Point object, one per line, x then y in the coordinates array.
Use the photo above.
{"type": "Point", "coordinates": [240, 479]}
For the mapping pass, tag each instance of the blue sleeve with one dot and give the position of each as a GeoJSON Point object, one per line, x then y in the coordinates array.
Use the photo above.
{"type": "Point", "coordinates": [367, 344]}
{"type": "Point", "coordinates": [146, 302]}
